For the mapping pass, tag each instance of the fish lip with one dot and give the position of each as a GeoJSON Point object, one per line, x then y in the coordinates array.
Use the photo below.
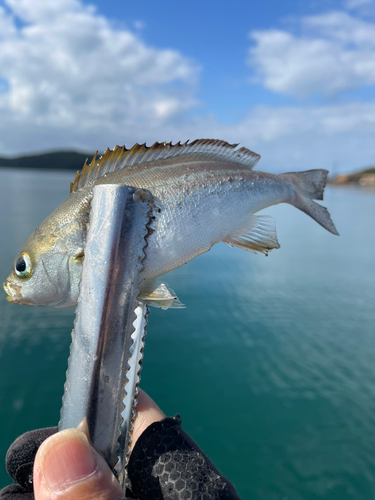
{"type": "Point", "coordinates": [14, 295]}
{"type": "Point", "coordinates": [13, 291]}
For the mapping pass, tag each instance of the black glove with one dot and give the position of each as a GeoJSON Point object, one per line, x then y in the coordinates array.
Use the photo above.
{"type": "Point", "coordinates": [19, 463]}
{"type": "Point", "coordinates": [165, 464]}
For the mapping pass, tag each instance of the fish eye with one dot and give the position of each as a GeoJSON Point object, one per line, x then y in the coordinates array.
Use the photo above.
{"type": "Point", "coordinates": [22, 266]}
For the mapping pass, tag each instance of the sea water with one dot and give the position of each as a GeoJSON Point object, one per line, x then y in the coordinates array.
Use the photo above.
{"type": "Point", "coordinates": [271, 365]}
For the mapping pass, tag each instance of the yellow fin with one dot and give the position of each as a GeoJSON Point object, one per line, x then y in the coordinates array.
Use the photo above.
{"type": "Point", "coordinates": [259, 237]}
{"type": "Point", "coordinates": [120, 157]}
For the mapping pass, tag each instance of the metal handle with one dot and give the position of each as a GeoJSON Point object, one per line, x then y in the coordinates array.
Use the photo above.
{"type": "Point", "coordinates": [104, 338]}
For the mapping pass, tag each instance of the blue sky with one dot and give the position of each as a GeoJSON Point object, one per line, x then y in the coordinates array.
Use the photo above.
{"type": "Point", "coordinates": [218, 39]}
{"type": "Point", "coordinates": [292, 80]}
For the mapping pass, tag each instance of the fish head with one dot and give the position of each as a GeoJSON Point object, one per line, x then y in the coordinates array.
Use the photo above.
{"type": "Point", "coordinates": [46, 271]}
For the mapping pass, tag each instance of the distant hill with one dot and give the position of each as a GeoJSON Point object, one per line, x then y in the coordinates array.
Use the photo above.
{"type": "Point", "coordinates": [58, 160]}
{"type": "Point", "coordinates": [365, 178]}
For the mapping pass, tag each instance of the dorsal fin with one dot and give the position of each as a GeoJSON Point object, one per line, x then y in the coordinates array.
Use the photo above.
{"type": "Point", "coordinates": [120, 157]}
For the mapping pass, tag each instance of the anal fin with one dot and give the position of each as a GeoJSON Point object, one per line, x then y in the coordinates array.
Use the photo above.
{"type": "Point", "coordinates": [157, 294]}
{"type": "Point", "coordinates": [259, 237]}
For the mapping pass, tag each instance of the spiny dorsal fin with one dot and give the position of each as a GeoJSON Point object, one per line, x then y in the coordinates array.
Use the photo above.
{"type": "Point", "coordinates": [120, 157]}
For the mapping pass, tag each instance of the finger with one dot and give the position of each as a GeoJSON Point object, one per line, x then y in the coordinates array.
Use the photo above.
{"type": "Point", "coordinates": [67, 467]}
{"type": "Point", "coordinates": [148, 412]}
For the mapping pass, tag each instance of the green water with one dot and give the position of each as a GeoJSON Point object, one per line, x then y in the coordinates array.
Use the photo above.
{"type": "Point", "coordinates": [271, 366]}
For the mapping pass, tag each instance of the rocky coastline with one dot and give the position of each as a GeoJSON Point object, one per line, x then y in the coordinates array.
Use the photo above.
{"type": "Point", "coordinates": [363, 178]}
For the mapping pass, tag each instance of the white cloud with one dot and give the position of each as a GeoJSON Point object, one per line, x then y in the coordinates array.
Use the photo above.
{"type": "Point", "coordinates": [342, 28]}
{"type": "Point", "coordinates": [7, 28]}
{"type": "Point", "coordinates": [335, 53]}
{"type": "Point", "coordinates": [70, 79]}
{"type": "Point", "coordinates": [301, 137]}
{"type": "Point", "coordinates": [72, 74]}
{"type": "Point", "coordinates": [42, 11]}
{"type": "Point", "coordinates": [139, 25]}
{"type": "Point", "coordinates": [354, 4]}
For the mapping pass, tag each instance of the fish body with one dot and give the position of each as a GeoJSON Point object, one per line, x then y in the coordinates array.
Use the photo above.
{"type": "Point", "coordinates": [204, 192]}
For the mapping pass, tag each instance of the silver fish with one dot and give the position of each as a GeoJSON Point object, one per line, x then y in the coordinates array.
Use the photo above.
{"type": "Point", "coordinates": [204, 192]}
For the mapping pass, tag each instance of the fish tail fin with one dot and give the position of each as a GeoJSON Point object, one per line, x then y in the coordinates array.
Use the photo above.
{"type": "Point", "coordinates": [309, 186]}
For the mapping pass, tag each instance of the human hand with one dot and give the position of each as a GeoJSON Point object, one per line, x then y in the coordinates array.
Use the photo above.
{"type": "Point", "coordinates": [67, 467]}
{"type": "Point", "coordinates": [165, 463]}
{"type": "Point", "coordinates": [66, 460]}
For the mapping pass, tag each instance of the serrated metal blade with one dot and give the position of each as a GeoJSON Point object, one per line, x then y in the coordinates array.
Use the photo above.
{"type": "Point", "coordinates": [107, 339]}
{"type": "Point", "coordinates": [131, 392]}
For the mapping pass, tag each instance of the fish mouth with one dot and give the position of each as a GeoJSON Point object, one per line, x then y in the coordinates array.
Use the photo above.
{"type": "Point", "coordinates": [13, 291]}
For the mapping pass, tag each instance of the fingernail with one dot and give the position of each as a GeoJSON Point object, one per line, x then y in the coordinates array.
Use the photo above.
{"type": "Point", "coordinates": [66, 458]}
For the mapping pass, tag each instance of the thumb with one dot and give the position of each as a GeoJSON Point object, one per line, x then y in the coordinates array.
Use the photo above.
{"type": "Point", "coordinates": [67, 467]}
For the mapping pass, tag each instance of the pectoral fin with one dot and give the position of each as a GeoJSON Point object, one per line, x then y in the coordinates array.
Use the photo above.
{"type": "Point", "coordinates": [259, 237]}
{"type": "Point", "coordinates": [157, 294]}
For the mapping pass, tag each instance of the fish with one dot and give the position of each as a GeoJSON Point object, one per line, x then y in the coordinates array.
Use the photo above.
{"type": "Point", "coordinates": [204, 192]}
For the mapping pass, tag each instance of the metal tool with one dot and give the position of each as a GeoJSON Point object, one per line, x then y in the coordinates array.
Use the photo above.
{"type": "Point", "coordinates": [108, 337]}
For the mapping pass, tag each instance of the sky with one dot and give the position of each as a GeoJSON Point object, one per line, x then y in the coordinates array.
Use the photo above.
{"type": "Point", "coordinates": [292, 80]}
